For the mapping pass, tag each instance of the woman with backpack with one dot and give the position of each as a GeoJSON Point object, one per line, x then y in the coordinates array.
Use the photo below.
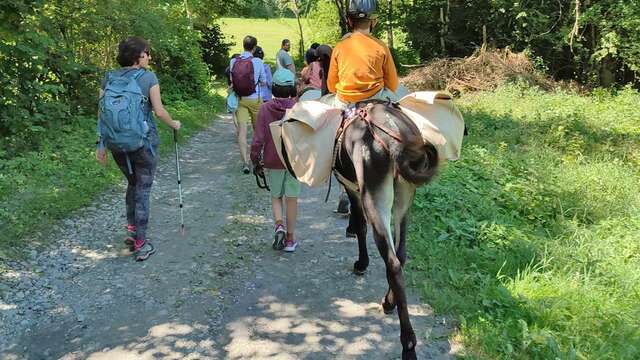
{"type": "Point", "coordinates": [134, 147]}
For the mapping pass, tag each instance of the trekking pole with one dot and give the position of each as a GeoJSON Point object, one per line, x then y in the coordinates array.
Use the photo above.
{"type": "Point", "coordinates": [175, 141]}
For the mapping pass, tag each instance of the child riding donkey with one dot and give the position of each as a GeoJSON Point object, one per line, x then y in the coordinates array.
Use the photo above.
{"type": "Point", "coordinates": [383, 149]}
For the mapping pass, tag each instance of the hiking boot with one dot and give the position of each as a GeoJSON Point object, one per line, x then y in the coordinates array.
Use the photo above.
{"type": "Point", "coordinates": [278, 241]}
{"type": "Point", "coordinates": [343, 205]}
{"type": "Point", "coordinates": [291, 246]}
{"type": "Point", "coordinates": [144, 251]}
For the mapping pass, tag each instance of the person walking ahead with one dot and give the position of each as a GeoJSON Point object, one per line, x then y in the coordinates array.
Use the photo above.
{"type": "Point", "coordinates": [139, 163]}
{"type": "Point", "coordinates": [265, 88]}
{"type": "Point", "coordinates": [247, 75]}
{"type": "Point", "coordinates": [361, 66]}
{"type": "Point", "coordinates": [263, 153]}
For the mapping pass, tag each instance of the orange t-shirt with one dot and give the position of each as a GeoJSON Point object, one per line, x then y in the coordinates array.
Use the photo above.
{"type": "Point", "coordinates": [361, 65]}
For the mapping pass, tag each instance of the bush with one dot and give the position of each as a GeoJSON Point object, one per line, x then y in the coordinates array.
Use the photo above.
{"type": "Point", "coordinates": [52, 59]}
{"type": "Point", "coordinates": [215, 49]}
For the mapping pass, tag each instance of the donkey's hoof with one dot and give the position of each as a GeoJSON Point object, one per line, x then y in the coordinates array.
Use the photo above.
{"type": "Point", "coordinates": [359, 268]}
{"type": "Point", "coordinates": [387, 307]}
{"type": "Point", "coordinates": [409, 354]}
{"type": "Point", "coordinates": [408, 346]}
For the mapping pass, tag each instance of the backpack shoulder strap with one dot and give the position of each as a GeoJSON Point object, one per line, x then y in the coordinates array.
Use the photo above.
{"type": "Point", "coordinates": [139, 73]}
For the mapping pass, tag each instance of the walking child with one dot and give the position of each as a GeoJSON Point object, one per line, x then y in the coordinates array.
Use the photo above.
{"type": "Point", "coordinates": [285, 189]}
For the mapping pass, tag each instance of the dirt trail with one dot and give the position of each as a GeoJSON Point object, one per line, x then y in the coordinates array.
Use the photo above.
{"type": "Point", "coordinates": [221, 292]}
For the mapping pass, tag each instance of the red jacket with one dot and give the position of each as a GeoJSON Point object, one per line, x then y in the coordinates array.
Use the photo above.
{"type": "Point", "coordinates": [262, 141]}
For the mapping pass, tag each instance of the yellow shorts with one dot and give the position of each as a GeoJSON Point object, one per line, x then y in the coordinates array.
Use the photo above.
{"type": "Point", "coordinates": [248, 110]}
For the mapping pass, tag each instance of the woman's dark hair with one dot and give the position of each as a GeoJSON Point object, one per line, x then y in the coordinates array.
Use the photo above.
{"type": "Point", "coordinates": [257, 52]}
{"type": "Point", "coordinates": [249, 43]}
{"type": "Point", "coordinates": [314, 46]}
{"type": "Point", "coordinates": [310, 56]}
{"type": "Point", "coordinates": [129, 50]}
{"type": "Point", "coordinates": [280, 91]}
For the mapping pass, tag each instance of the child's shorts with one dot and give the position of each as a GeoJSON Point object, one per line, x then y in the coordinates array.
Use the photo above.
{"type": "Point", "coordinates": [282, 183]}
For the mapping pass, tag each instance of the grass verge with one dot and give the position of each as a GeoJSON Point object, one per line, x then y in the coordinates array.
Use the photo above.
{"type": "Point", "coordinates": [40, 187]}
{"type": "Point", "coordinates": [533, 238]}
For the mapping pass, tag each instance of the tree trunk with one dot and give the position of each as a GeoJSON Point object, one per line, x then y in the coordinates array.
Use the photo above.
{"type": "Point", "coordinates": [342, 13]}
{"type": "Point", "coordinates": [390, 24]}
{"type": "Point", "coordinates": [607, 71]}
{"type": "Point", "coordinates": [186, 9]}
{"type": "Point", "coordinates": [442, 45]}
{"type": "Point", "coordinates": [297, 13]}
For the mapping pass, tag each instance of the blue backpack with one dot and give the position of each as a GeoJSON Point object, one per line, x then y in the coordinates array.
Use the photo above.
{"type": "Point", "coordinates": [122, 123]}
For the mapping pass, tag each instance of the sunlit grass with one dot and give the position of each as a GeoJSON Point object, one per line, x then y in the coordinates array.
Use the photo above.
{"type": "Point", "coordinates": [533, 237]}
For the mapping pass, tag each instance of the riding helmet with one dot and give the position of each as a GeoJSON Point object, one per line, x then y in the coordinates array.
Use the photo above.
{"type": "Point", "coordinates": [362, 9]}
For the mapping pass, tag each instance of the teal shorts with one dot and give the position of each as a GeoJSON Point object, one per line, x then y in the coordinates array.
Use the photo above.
{"type": "Point", "coordinates": [282, 183]}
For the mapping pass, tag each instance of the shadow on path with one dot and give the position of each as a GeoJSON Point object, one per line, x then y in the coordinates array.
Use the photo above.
{"type": "Point", "coordinates": [221, 292]}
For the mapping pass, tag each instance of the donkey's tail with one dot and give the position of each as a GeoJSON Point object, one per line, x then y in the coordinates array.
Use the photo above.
{"type": "Point", "coordinates": [416, 160]}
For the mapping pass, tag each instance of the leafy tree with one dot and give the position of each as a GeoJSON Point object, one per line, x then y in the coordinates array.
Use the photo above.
{"type": "Point", "coordinates": [54, 53]}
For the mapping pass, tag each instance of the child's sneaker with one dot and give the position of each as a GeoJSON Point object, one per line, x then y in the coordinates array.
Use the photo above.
{"type": "Point", "coordinates": [291, 246]}
{"type": "Point", "coordinates": [278, 241]}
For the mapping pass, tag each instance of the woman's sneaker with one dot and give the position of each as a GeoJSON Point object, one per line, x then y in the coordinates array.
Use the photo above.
{"type": "Point", "coordinates": [143, 252]}
{"type": "Point", "coordinates": [278, 240]}
{"type": "Point", "coordinates": [291, 246]}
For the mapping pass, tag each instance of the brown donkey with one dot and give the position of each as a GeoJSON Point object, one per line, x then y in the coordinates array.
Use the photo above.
{"type": "Point", "coordinates": [381, 158]}
{"type": "Point", "coordinates": [381, 169]}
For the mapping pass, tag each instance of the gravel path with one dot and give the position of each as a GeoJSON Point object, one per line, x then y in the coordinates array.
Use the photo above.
{"type": "Point", "coordinates": [220, 292]}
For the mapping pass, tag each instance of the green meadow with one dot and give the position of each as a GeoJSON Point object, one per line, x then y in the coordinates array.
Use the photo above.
{"type": "Point", "coordinates": [268, 32]}
{"type": "Point", "coordinates": [532, 239]}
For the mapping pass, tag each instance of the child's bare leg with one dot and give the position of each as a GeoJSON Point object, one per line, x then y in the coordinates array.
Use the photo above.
{"type": "Point", "coordinates": [292, 214]}
{"type": "Point", "coordinates": [276, 208]}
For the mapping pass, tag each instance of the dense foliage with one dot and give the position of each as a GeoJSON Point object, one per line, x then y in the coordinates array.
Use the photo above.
{"type": "Point", "coordinates": [596, 41]}
{"type": "Point", "coordinates": [53, 54]}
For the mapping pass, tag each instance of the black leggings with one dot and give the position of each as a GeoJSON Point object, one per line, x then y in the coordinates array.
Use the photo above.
{"type": "Point", "coordinates": [143, 166]}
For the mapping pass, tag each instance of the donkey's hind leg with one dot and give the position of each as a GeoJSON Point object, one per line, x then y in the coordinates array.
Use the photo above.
{"type": "Point", "coordinates": [404, 192]}
{"type": "Point", "coordinates": [358, 224]}
{"type": "Point", "coordinates": [378, 199]}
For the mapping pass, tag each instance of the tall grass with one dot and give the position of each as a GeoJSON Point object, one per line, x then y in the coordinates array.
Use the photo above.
{"type": "Point", "coordinates": [533, 237]}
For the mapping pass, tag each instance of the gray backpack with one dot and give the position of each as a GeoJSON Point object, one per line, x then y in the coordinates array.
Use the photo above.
{"type": "Point", "coordinates": [122, 123]}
